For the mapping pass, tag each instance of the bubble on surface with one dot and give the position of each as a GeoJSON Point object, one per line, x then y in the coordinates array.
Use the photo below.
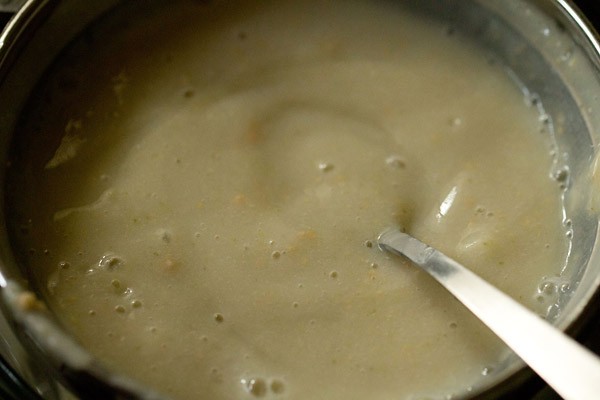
{"type": "Point", "coordinates": [395, 161]}
{"type": "Point", "coordinates": [136, 303]}
{"type": "Point", "coordinates": [110, 262]}
{"type": "Point", "coordinates": [565, 287]}
{"type": "Point", "coordinates": [64, 265]}
{"type": "Point", "coordinates": [532, 99]}
{"type": "Point", "coordinates": [261, 387]}
{"type": "Point", "coordinates": [561, 174]}
{"type": "Point", "coordinates": [277, 386]}
{"type": "Point", "coordinates": [547, 288]}
{"type": "Point", "coordinates": [255, 386]}
{"type": "Point", "coordinates": [325, 166]}
{"type": "Point", "coordinates": [219, 317]}
{"type": "Point", "coordinates": [550, 294]}
{"type": "Point", "coordinates": [540, 298]}
{"type": "Point", "coordinates": [566, 55]}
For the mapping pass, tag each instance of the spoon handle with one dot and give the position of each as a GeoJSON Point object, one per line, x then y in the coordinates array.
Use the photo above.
{"type": "Point", "coordinates": [568, 367]}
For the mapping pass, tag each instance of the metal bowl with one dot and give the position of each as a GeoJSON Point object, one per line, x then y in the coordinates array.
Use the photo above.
{"type": "Point", "coordinates": [547, 45]}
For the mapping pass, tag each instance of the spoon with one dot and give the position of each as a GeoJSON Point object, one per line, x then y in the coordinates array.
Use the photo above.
{"type": "Point", "coordinates": [569, 368]}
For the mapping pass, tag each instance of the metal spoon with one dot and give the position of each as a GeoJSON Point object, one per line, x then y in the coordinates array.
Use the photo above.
{"type": "Point", "coordinates": [568, 367]}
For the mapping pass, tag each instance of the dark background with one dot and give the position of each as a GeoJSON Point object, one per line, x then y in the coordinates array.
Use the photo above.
{"type": "Point", "coordinates": [591, 8]}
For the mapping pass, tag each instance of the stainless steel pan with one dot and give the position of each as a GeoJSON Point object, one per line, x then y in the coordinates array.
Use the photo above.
{"type": "Point", "coordinates": [546, 44]}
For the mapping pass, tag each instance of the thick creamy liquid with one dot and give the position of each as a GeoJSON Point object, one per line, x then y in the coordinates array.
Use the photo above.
{"type": "Point", "coordinates": [205, 183]}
